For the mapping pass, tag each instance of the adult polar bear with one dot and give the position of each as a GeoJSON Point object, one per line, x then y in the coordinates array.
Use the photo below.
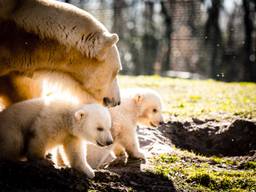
{"type": "Point", "coordinates": [54, 36]}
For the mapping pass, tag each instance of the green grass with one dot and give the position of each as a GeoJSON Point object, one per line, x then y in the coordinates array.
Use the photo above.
{"type": "Point", "coordinates": [206, 99]}
{"type": "Point", "coordinates": [249, 165]}
{"type": "Point", "coordinates": [219, 160]}
{"type": "Point", "coordinates": [197, 173]}
{"type": "Point", "coordinates": [200, 98]}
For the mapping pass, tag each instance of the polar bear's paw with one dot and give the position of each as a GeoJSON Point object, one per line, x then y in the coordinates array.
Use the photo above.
{"type": "Point", "coordinates": [89, 172]}
{"type": "Point", "coordinates": [119, 161]}
{"type": "Point", "coordinates": [139, 155]}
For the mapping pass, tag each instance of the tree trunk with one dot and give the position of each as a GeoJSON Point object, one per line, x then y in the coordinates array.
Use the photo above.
{"type": "Point", "coordinates": [166, 11]}
{"type": "Point", "coordinates": [249, 60]}
{"type": "Point", "coordinates": [118, 22]}
{"type": "Point", "coordinates": [119, 27]}
{"type": "Point", "coordinates": [149, 41]}
{"type": "Point", "coordinates": [214, 38]}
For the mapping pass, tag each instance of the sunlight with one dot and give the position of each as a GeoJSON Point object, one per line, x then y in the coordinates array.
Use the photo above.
{"type": "Point", "coordinates": [51, 90]}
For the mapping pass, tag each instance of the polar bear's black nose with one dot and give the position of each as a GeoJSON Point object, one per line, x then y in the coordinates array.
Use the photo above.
{"type": "Point", "coordinates": [107, 102]}
{"type": "Point", "coordinates": [109, 142]}
{"type": "Point", "coordinates": [110, 102]}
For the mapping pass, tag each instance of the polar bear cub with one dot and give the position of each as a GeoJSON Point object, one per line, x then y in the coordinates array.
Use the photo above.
{"type": "Point", "coordinates": [139, 106]}
{"type": "Point", "coordinates": [33, 127]}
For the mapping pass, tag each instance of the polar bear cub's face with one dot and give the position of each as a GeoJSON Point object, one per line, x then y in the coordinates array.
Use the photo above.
{"type": "Point", "coordinates": [150, 108]}
{"type": "Point", "coordinates": [92, 122]}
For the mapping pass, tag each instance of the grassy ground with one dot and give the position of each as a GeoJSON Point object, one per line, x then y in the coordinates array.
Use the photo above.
{"type": "Point", "coordinates": [197, 98]}
{"type": "Point", "coordinates": [197, 173]}
{"type": "Point", "coordinates": [206, 99]}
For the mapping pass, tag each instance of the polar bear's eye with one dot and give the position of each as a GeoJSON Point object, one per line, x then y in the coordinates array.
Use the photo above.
{"type": "Point", "coordinates": [100, 129]}
{"type": "Point", "coordinates": [154, 110]}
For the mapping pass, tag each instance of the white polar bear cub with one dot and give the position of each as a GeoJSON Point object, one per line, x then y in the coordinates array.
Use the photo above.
{"type": "Point", "coordinates": [33, 127]}
{"type": "Point", "coordinates": [139, 106]}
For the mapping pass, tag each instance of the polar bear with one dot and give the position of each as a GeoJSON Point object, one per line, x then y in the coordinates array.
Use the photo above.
{"type": "Point", "coordinates": [55, 36]}
{"type": "Point", "coordinates": [31, 128]}
{"type": "Point", "coordinates": [139, 106]}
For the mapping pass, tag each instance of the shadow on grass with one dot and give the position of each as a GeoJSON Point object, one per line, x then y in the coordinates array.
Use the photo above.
{"type": "Point", "coordinates": [131, 177]}
{"type": "Point", "coordinates": [136, 181]}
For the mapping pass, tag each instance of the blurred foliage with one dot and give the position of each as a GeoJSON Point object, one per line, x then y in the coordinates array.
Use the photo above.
{"type": "Point", "coordinates": [209, 38]}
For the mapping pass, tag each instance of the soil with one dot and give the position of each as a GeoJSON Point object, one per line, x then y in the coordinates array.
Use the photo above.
{"type": "Point", "coordinates": [208, 137]}
{"type": "Point", "coordinates": [34, 177]}
{"type": "Point", "coordinates": [211, 137]}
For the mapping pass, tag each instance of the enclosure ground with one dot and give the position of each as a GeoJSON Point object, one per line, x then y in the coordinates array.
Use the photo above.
{"type": "Point", "coordinates": [175, 170]}
{"type": "Point", "coordinates": [207, 144]}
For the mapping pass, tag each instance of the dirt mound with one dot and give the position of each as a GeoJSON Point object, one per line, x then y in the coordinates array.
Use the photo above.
{"type": "Point", "coordinates": [34, 177]}
{"type": "Point", "coordinates": [211, 137]}
{"type": "Point", "coordinates": [130, 179]}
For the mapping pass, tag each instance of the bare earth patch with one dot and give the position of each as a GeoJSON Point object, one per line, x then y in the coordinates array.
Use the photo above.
{"type": "Point", "coordinates": [211, 137]}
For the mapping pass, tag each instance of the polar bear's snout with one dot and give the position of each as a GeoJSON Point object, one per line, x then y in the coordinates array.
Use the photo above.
{"type": "Point", "coordinates": [105, 139]}
{"type": "Point", "coordinates": [107, 143]}
{"type": "Point", "coordinates": [156, 120]}
{"type": "Point", "coordinates": [111, 102]}
{"type": "Point", "coordinates": [112, 98]}
{"type": "Point", "coordinates": [110, 142]}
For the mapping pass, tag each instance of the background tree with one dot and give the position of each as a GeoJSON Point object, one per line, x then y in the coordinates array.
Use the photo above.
{"type": "Point", "coordinates": [213, 37]}
{"type": "Point", "coordinates": [167, 14]}
{"type": "Point", "coordinates": [150, 43]}
{"type": "Point", "coordinates": [249, 46]}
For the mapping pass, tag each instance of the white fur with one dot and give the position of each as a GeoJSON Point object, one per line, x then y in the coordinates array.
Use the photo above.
{"type": "Point", "coordinates": [98, 157]}
{"type": "Point", "coordinates": [62, 86]}
{"type": "Point", "coordinates": [61, 38]}
{"type": "Point", "coordinates": [66, 23]}
{"type": "Point", "coordinates": [136, 108]}
{"type": "Point", "coordinates": [33, 127]}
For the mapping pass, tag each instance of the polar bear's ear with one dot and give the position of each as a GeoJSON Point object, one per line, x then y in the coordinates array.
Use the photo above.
{"type": "Point", "coordinates": [80, 114]}
{"type": "Point", "coordinates": [106, 40]}
{"type": "Point", "coordinates": [138, 98]}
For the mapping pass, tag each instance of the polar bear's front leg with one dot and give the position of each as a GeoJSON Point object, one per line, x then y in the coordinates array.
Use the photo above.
{"type": "Point", "coordinates": [131, 145]}
{"type": "Point", "coordinates": [76, 155]}
{"type": "Point", "coordinates": [36, 149]}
